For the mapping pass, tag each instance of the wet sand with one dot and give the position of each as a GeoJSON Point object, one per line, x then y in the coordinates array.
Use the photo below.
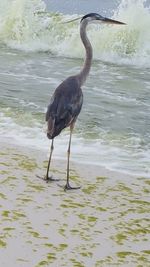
{"type": "Point", "coordinates": [105, 223]}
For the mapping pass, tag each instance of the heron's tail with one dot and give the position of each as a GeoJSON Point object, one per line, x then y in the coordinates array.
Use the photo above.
{"type": "Point", "coordinates": [50, 128]}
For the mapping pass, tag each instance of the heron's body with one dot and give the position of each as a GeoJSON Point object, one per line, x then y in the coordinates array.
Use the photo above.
{"type": "Point", "coordinates": [65, 106]}
{"type": "Point", "coordinates": [66, 102]}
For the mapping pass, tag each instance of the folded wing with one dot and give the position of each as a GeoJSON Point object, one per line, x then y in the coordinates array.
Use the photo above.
{"type": "Point", "coordinates": [64, 107]}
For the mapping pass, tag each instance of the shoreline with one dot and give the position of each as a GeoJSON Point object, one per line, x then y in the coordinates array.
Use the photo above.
{"type": "Point", "coordinates": [105, 223]}
{"type": "Point", "coordinates": [80, 167]}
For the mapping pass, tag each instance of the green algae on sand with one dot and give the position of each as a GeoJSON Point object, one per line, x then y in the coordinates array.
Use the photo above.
{"type": "Point", "coordinates": [71, 227]}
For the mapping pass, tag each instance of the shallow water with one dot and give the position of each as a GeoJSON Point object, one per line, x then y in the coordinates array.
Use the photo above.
{"type": "Point", "coordinates": [38, 52]}
{"type": "Point", "coordinates": [113, 127]}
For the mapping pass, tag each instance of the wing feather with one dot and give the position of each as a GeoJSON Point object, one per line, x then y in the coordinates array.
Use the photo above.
{"type": "Point", "coordinates": [64, 107]}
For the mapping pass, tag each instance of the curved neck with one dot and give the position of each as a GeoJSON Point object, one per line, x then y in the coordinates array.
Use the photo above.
{"type": "Point", "coordinates": [89, 53]}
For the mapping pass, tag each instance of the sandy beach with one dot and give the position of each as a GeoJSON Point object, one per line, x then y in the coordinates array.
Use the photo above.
{"type": "Point", "coordinates": [105, 223]}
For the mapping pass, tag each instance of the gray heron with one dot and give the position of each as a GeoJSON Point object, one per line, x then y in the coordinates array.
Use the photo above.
{"type": "Point", "coordinates": [66, 101]}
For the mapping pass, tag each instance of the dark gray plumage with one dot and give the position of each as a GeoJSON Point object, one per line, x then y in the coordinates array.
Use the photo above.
{"type": "Point", "coordinates": [66, 102]}
{"type": "Point", "coordinates": [65, 106]}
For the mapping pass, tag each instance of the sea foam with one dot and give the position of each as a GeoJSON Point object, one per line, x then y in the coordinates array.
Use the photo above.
{"type": "Point", "coordinates": [26, 25]}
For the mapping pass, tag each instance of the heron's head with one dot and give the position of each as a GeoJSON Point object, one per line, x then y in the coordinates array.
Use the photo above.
{"type": "Point", "coordinates": [94, 17]}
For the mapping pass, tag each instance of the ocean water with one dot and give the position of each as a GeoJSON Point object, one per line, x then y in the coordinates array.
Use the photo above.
{"type": "Point", "coordinates": [38, 50]}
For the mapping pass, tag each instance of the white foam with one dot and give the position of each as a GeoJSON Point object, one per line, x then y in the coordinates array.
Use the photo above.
{"type": "Point", "coordinates": [27, 26]}
{"type": "Point", "coordinates": [126, 157]}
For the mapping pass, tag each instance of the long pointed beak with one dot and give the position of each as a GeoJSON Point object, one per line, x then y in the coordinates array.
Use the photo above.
{"type": "Point", "coordinates": [111, 21]}
{"type": "Point", "coordinates": [72, 20]}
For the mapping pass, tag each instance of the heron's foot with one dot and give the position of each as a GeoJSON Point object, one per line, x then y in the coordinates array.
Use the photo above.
{"type": "Point", "coordinates": [48, 179]}
{"type": "Point", "coordinates": [68, 187]}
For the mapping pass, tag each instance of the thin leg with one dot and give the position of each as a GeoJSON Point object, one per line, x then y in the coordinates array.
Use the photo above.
{"type": "Point", "coordinates": [67, 186]}
{"type": "Point", "coordinates": [49, 161]}
{"type": "Point", "coordinates": [49, 178]}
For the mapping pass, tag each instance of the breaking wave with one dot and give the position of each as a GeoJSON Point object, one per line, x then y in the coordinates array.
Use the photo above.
{"type": "Point", "coordinates": [26, 25]}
